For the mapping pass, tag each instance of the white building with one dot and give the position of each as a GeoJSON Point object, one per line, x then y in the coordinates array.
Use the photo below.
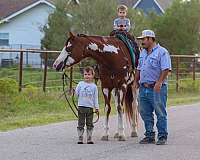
{"type": "Point", "coordinates": [21, 24]}
{"type": "Point", "coordinates": [22, 21]}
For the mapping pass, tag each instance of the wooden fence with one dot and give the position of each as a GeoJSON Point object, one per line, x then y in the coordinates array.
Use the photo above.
{"type": "Point", "coordinates": [190, 63]}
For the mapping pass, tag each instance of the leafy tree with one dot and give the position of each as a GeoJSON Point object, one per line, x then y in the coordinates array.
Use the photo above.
{"type": "Point", "coordinates": [179, 28]}
{"type": "Point", "coordinates": [59, 23]}
{"type": "Point", "coordinates": [91, 17]}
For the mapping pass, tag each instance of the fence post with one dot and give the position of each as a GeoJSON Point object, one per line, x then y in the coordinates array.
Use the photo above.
{"type": "Point", "coordinates": [45, 71]}
{"type": "Point", "coordinates": [194, 69]}
{"type": "Point", "coordinates": [20, 70]}
{"type": "Point", "coordinates": [177, 74]}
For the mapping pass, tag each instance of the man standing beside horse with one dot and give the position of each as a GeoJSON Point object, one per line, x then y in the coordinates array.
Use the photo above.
{"type": "Point", "coordinates": [151, 79]}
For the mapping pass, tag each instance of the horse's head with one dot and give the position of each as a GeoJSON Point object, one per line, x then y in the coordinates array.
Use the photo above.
{"type": "Point", "coordinates": [71, 54]}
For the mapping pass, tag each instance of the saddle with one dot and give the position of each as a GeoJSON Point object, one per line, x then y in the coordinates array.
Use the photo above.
{"type": "Point", "coordinates": [130, 43]}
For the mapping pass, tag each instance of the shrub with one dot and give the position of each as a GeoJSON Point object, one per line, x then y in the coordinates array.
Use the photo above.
{"type": "Point", "coordinates": [8, 86]}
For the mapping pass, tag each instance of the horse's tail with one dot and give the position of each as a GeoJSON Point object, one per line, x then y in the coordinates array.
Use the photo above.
{"type": "Point", "coordinates": [131, 104]}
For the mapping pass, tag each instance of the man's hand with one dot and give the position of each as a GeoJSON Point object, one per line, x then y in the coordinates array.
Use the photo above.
{"type": "Point", "coordinates": [157, 87]}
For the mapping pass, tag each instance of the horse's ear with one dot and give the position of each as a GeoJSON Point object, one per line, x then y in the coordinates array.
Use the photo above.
{"type": "Point", "coordinates": [72, 35]}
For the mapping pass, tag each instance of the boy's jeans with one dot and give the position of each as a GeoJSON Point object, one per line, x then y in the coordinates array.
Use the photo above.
{"type": "Point", "coordinates": [149, 102]}
{"type": "Point", "coordinates": [85, 115]}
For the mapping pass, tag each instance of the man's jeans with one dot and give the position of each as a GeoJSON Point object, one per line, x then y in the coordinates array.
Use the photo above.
{"type": "Point", "coordinates": [150, 101]}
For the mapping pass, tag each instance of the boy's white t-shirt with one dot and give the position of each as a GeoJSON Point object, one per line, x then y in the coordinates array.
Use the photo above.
{"type": "Point", "coordinates": [87, 95]}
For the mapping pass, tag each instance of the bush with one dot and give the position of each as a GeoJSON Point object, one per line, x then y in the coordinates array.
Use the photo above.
{"type": "Point", "coordinates": [189, 86]}
{"type": "Point", "coordinates": [8, 86]}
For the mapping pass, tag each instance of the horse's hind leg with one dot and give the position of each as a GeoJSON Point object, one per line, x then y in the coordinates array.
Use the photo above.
{"type": "Point", "coordinates": [134, 120]}
{"type": "Point", "coordinates": [107, 97]}
{"type": "Point", "coordinates": [118, 97]}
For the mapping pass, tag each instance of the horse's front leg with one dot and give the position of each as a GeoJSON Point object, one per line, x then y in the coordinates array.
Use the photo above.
{"type": "Point", "coordinates": [107, 97]}
{"type": "Point", "coordinates": [119, 97]}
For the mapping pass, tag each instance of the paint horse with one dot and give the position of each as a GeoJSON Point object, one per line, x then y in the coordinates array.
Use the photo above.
{"type": "Point", "coordinates": [115, 71]}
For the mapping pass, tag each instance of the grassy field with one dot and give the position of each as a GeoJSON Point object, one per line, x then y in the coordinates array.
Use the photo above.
{"type": "Point", "coordinates": [32, 107]}
{"type": "Point", "coordinates": [40, 108]}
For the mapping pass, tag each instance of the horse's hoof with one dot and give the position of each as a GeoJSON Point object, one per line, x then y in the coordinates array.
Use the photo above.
{"type": "Point", "coordinates": [121, 138]}
{"type": "Point", "coordinates": [134, 134]}
{"type": "Point", "coordinates": [116, 135]}
{"type": "Point", "coordinates": [104, 138]}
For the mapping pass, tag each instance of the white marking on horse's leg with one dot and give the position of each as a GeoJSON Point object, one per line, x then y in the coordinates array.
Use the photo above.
{"type": "Point", "coordinates": [118, 97]}
{"type": "Point", "coordinates": [127, 76]}
{"type": "Point", "coordinates": [106, 127]}
{"type": "Point", "coordinates": [107, 110]}
{"type": "Point", "coordinates": [105, 92]}
{"type": "Point", "coordinates": [134, 121]}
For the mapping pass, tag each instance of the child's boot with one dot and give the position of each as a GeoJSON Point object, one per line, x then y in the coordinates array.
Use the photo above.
{"type": "Point", "coordinates": [80, 135]}
{"type": "Point", "coordinates": [89, 136]}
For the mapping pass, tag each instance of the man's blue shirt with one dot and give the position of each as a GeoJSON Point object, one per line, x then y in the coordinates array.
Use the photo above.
{"type": "Point", "coordinates": [152, 64]}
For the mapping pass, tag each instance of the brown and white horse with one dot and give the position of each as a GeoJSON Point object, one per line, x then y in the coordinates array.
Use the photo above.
{"type": "Point", "coordinates": [115, 70]}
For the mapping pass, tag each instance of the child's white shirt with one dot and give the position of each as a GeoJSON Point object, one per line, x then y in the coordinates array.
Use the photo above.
{"type": "Point", "coordinates": [87, 95]}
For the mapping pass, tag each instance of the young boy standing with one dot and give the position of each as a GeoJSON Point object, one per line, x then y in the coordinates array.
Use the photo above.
{"type": "Point", "coordinates": [87, 93]}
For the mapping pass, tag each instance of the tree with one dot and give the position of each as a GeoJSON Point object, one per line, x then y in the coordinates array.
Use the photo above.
{"type": "Point", "coordinates": [91, 17]}
{"type": "Point", "coordinates": [95, 17]}
{"type": "Point", "coordinates": [59, 24]}
{"type": "Point", "coordinates": [179, 28]}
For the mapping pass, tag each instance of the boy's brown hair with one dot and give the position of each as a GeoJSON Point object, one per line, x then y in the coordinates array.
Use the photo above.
{"type": "Point", "coordinates": [88, 68]}
{"type": "Point", "coordinates": [122, 7]}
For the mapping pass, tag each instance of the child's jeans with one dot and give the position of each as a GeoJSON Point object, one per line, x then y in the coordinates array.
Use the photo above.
{"type": "Point", "coordinates": [85, 116]}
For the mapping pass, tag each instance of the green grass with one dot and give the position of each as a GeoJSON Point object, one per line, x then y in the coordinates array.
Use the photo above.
{"type": "Point", "coordinates": [183, 99]}
{"type": "Point", "coordinates": [40, 109]}
{"type": "Point", "coordinates": [32, 107]}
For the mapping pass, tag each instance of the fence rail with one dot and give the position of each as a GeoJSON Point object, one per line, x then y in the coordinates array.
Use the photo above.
{"type": "Point", "coordinates": [189, 63]}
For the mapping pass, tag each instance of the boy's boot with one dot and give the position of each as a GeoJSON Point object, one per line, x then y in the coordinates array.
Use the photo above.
{"type": "Point", "coordinates": [80, 135]}
{"type": "Point", "coordinates": [89, 136]}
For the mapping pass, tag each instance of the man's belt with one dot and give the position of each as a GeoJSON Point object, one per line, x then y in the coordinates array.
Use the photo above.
{"type": "Point", "coordinates": [147, 85]}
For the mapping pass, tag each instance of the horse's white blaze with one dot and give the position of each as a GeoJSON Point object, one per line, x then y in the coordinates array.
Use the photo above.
{"type": "Point", "coordinates": [61, 57]}
{"type": "Point", "coordinates": [93, 46]}
{"type": "Point", "coordinates": [69, 44]}
{"type": "Point", "coordinates": [70, 61]}
{"type": "Point", "coordinates": [110, 48]}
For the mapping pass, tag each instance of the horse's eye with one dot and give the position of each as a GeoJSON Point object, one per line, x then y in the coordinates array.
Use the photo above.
{"type": "Point", "coordinates": [68, 49]}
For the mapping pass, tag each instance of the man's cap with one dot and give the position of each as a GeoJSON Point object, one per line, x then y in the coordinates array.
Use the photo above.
{"type": "Point", "coordinates": [147, 33]}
